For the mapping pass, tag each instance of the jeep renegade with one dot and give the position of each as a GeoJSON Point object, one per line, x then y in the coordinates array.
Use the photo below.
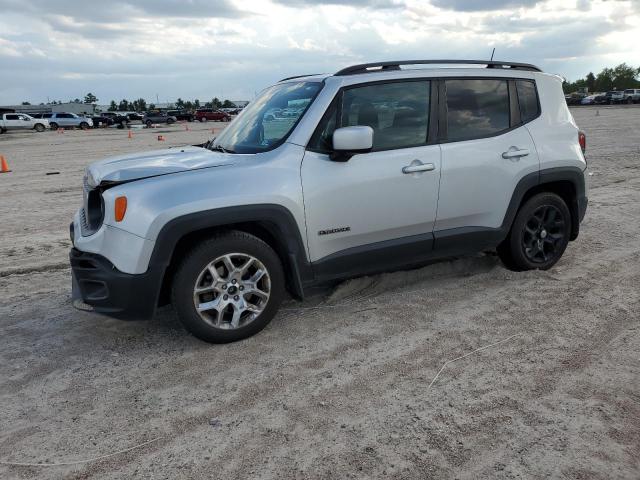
{"type": "Point", "coordinates": [377, 167]}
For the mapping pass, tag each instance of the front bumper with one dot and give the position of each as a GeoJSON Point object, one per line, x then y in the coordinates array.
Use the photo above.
{"type": "Point", "coordinates": [111, 292]}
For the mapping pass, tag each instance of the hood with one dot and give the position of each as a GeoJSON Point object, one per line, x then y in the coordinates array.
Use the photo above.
{"type": "Point", "coordinates": [125, 168]}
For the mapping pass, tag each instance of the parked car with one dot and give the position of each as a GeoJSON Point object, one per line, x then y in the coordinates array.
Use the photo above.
{"type": "Point", "coordinates": [361, 181]}
{"type": "Point", "coordinates": [588, 100]}
{"type": "Point", "coordinates": [182, 115]}
{"type": "Point", "coordinates": [134, 116]}
{"type": "Point", "coordinates": [632, 95]}
{"type": "Point", "coordinates": [67, 120]}
{"type": "Point", "coordinates": [158, 117]}
{"type": "Point", "coordinates": [609, 98]}
{"type": "Point", "coordinates": [100, 120]}
{"type": "Point", "coordinates": [204, 114]}
{"type": "Point", "coordinates": [22, 121]}
{"type": "Point", "coordinates": [574, 98]}
{"type": "Point", "coordinates": [116, 118]}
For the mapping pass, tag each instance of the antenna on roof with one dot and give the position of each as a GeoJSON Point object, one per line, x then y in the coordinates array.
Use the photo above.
{"type": "Point", "coordinates": [494, 51]}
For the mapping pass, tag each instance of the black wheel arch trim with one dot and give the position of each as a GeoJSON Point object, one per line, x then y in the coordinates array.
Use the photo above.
{"type": "Point", "coordinates": [577, 205]}
{"type": "Point", "coordinates": [276, 219]}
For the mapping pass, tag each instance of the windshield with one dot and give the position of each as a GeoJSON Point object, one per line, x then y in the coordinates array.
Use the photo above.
{"type": "Point", "coordinates": [267, 121]}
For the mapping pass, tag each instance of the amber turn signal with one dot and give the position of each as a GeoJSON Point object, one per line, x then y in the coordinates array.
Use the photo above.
{"type": "Point", "coordinates": [120, 208]}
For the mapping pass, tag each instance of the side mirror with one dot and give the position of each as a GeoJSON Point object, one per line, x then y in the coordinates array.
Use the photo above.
{"type": "Point", "coordinates": [348, 141]}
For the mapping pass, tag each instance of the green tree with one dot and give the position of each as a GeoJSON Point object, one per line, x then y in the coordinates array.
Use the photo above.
{"type": "Point", "coordinates": [179, 104]}
{"type": "Point", "coordinates": [152, 106]}
{"type": "Point", "coordinates": [124, 105]}
{"type": "Point", "coordinates": [113, 106]}
{"type": "Point", "coordinates": [139, 105]}
{"type": "Point", "coordinates": [26, 103]}
{"type": "Point", "coordinates": [228, 104]}
{"type": "Point", "coordinates": [591, 81]}
{"type": "Point", "coordinates": [216, 103]}
{"type": "Point", "coordinates": [604, 80]}
{"type": "Point", "coordinates": [90, 98]}
{"type": "Point", "coordinates": [196, 103]}
{"type": "Point", "coordinates": [624, 76]}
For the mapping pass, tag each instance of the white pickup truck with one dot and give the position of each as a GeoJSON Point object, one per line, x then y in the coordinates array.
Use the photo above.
{"type": "Point", "coordinates": [22, 121]}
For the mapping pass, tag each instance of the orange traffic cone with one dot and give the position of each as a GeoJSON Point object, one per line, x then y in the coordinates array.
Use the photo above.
{"type": "Point", "coordinates": [161, 138]}
{"type": "Point", "coordinates": [4, 166]}
{"type": "Point", "coordinates": [130, 134]}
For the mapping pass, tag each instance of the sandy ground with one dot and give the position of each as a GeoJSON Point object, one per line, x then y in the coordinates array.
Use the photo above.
{"type": "Point", "coordinates": [338, 386]}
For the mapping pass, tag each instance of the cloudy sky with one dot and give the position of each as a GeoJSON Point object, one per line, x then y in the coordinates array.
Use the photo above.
{"type": "Point", "coordinates": [232, 48]}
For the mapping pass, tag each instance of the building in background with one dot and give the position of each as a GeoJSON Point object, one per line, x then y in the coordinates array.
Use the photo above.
{"type": "Point", "coordinates": [70, 107]}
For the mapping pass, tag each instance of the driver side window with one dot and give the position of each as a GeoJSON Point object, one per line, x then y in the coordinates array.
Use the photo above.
{"type": "Point", "coordinates": [398, 113]}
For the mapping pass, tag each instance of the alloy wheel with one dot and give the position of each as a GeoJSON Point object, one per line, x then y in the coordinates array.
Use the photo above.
{"type": "Point", "coordinates": [232, 291]}
{"type": "Point", "coordinates": [543, 234]}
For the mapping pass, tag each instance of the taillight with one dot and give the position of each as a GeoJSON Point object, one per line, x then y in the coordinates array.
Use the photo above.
{"type": "Point", "coordinates": [582, 140]}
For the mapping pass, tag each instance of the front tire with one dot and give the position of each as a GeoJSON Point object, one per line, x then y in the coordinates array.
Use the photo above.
{"type": "Point", "coordinates": [539, 234]}
{"type": "Point", "coordinates": [228, 288]}
{"type": "Point", "coordinates": [53, 125]}
{"type": "Point", "coordinates": [39, 127]}
{"type": "Point", "coordinates": [84, 126]}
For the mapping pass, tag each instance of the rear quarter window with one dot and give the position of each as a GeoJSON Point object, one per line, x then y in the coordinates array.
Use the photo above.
{"type": "Point", "coordinates": [527, 100]}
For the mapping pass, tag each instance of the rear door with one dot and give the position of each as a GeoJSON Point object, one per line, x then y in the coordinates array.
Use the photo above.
{"type": "Point", "coordinates": [65, 120]}
{"type": "Point", "coordinates": [487, 150]}
{"type": "Point", "coordinates": [371, 209]}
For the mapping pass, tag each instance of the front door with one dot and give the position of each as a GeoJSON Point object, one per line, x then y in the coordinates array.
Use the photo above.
{"type": "Point", "coordinates": [380, 204]}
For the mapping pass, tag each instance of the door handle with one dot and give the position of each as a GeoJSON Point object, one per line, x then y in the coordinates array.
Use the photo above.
{"type": "Point", "coordinates": [417, 166]}
{"type": "Point", "coordinates": [515, 152]}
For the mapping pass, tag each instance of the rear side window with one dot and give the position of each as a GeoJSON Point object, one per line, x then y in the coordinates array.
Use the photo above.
{"type": "Point", "coordinates": [476, 108]}
{"type": "Point", "coordinates": [528, 100]}
{"type": "Point", "coordinates": [12, 117]}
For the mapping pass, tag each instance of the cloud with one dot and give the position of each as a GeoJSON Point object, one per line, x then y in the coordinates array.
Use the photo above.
{"type": "Point", "coordinates": [482, 5]}
{"type": "Point", "coordinates": [122, 10]}
{"type": "Point", "coordinates": [374, 4]}
{"type": "Point", "coordinates": [130, 49]}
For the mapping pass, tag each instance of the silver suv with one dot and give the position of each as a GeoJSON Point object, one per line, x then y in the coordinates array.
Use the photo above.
{"type": "Point", "coordinates": [66, 120]}
{"type": "Point", "coordinates": [378, 167]}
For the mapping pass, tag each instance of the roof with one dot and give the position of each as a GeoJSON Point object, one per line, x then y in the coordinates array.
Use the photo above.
{"type": "Point", "coordinates": [395, 65]}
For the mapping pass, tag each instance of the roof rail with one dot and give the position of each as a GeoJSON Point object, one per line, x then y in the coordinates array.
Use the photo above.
{"type": "Point", "coordinates": [298, 76]}
{"type": "Point", "coordinates": [395, 65]}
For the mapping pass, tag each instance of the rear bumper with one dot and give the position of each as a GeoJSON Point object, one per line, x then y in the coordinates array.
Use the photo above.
{"type": "Point", "coordinates": [111, 292]}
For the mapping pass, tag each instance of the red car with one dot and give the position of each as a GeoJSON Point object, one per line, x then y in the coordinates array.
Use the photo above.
{"type": "Point", "coordinates": [205, 114]}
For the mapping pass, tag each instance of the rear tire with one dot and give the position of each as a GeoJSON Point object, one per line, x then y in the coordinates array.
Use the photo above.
{"type": "Point", "coordinates": [228, 308]}
{"type": "Point", "coordinates": [539, 234]}
{"type": "Point", "coordinates": [53, 125]}
{"type": "Point", "coordinates": [148, 123]}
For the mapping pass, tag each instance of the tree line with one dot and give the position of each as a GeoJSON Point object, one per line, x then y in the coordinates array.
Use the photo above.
{"type": "Point", "coordinates": [140, 105]}
{"type": "Point", "coordinates": [617, 78]}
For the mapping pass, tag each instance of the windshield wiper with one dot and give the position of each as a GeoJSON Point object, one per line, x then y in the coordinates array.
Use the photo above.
{"type": "Point", "coordinates": [220, 148]}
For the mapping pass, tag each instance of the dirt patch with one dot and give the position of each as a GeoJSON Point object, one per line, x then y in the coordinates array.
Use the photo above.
{"type": "Point", "coordinates": [337, 386]}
